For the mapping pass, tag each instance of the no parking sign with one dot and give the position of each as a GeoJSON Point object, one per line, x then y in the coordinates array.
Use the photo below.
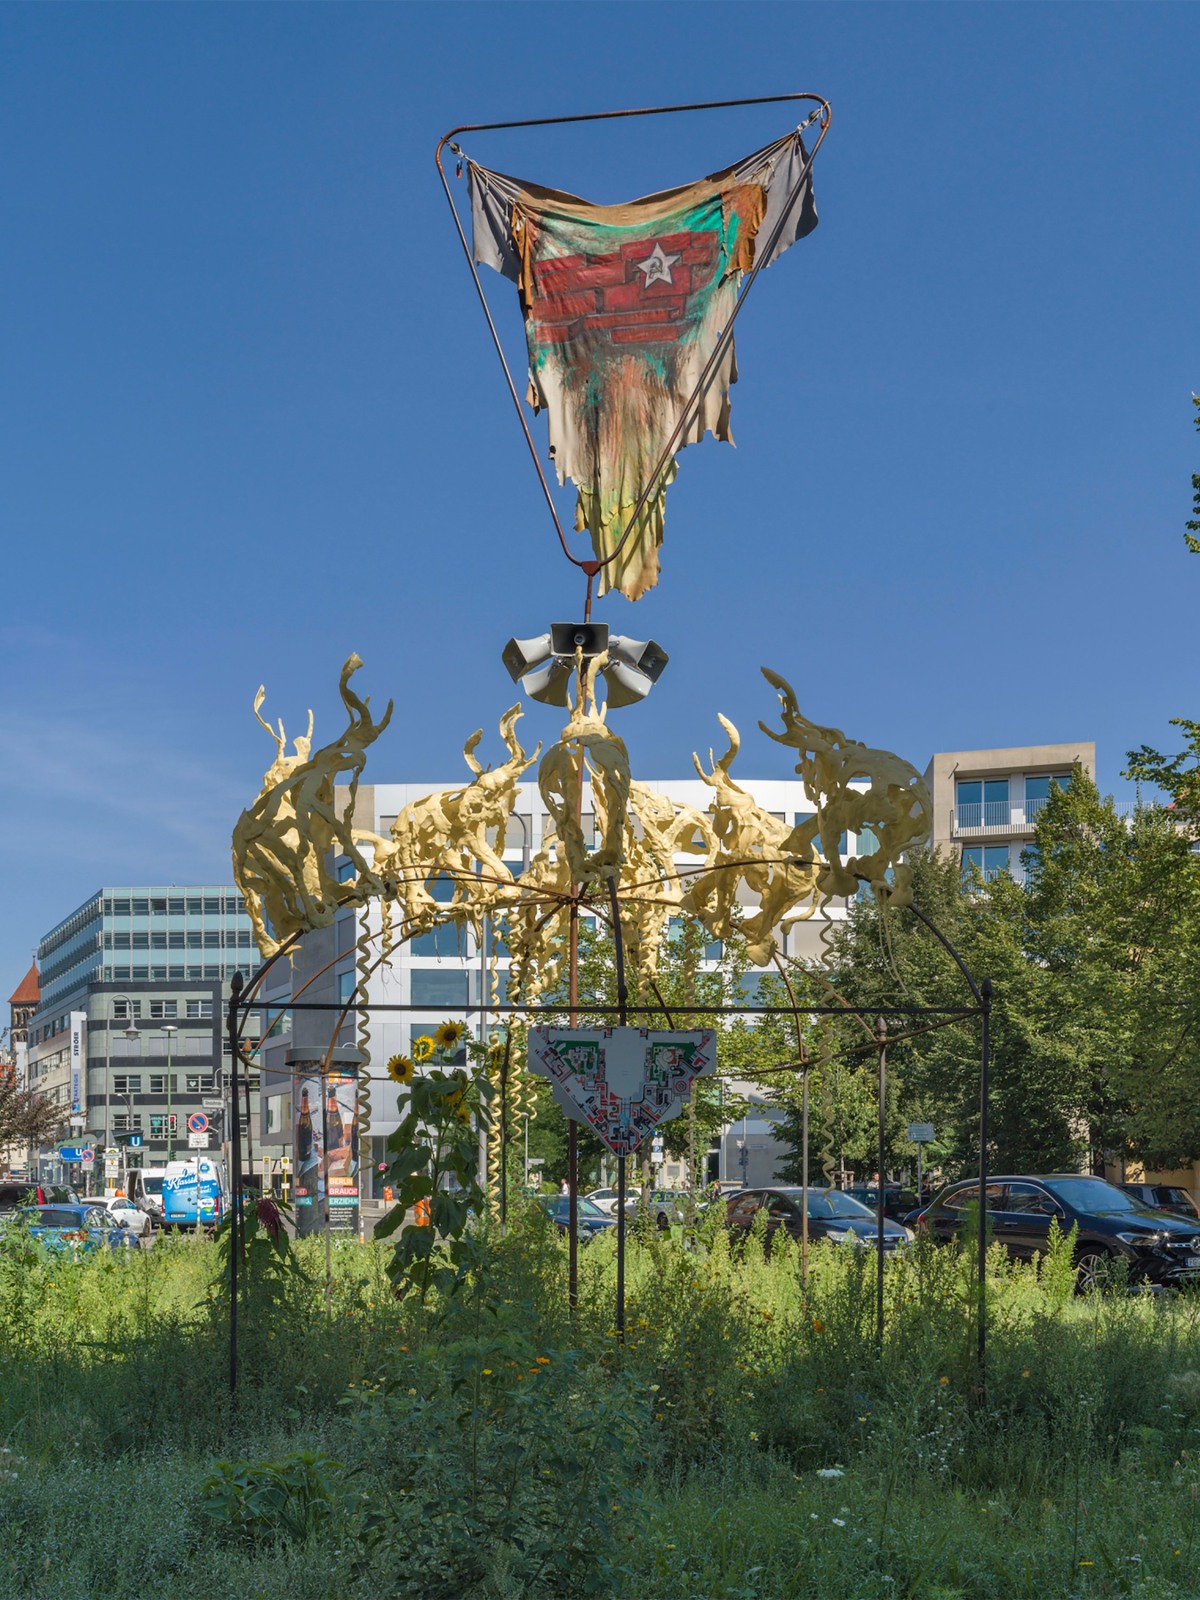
{"type": "Point", "coordinates": [197, 1122]}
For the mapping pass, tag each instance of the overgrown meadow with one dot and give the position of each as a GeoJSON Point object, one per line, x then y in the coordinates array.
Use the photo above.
{"type": "Point", "coordinates": [743, 1444]}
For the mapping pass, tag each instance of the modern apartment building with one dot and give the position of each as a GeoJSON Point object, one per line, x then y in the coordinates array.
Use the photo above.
{"type": "Point", "coordinates": [986, 802]}
{"type": "Point", "coordinates": [439, 973]}
{"type": "Point", "coordinates": [128, 1031]}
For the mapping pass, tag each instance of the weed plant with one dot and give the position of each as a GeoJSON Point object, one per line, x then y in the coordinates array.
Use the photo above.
{"type": "Point", "coordinates": [746, 1441]}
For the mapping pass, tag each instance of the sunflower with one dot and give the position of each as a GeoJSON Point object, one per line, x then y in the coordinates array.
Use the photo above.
{"type": "Point", "coordinates": [400, 1069]}
{"type": "Point", "coordinates": [449, 1033]}
{"type": "Point", "coordinates": [463, 1112]}
{"type": "Point", "coordinates": [423, 1048]}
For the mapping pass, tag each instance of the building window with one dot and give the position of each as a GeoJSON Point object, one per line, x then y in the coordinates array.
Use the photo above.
{"type": "Point", "coordinates": [438, 986]}
{"type": "Point", "coordinates": [127, 1008]}
{"type": "Point", "coordinates": [345, 987]}
{"type": "Point", "coordinates": [124, 1123]}
{"type": "Point", "coordinates": [199, 1008]}
{"type": "Point", "coordinates": [981, 802]}
{"type": "Point", "coordinates": [127, 1083]}
{"type": "Point", "coordinates": [198, 1083]}
{"type": "Point", "coordinates": [158, 1083]}
{"type": "Point", "coordinates": [445, 939]}
{"type": "Point", "coordinates": [164, 1008]}
{"type": "Point", "coordinates": [161, 1126]}
{"type": "Point", "coordinates": [989, 860]}
{"type": "Point", "coordinates": [1037, 792]}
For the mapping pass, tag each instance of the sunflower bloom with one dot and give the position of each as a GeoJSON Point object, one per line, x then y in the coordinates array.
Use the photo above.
{"type": "Point", "coordinates": [423, 1048]}
{"type": "Point", "coordinates": [400, 1069]}
{"type": "Point", "coordinates": [449, 1033]}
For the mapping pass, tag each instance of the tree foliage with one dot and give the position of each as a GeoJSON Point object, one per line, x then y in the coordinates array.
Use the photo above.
{"type": "Point", "coordinates": [1095, 1026]}
{"type": "Point", "coordinates": [24, 1118]}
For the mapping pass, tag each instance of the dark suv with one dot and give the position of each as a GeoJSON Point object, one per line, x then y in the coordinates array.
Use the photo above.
{"type": "Point", "coordinates": [1159, 1247]}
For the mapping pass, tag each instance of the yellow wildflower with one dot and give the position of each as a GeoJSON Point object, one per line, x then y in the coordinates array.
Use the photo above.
{"type": "Point", "coordinates": [449, 1033]}
{"type": "Point", "coordinates": [423, 1048]}
{"type": "Point", "coordinates": [400, 1069]}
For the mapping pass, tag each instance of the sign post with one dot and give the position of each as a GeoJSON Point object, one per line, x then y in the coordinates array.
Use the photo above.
{"type": "Point", "coordinates": [921, 1134]}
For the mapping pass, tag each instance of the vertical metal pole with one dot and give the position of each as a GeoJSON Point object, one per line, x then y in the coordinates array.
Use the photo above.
{"type": "Point", "coordinates": [881, 1038]}
{"type": "Point", "coordinates": [235, 1220]}
{"type": "Point", "coordinates": [108, 1088]}
{"type": "Point", "coordinates": [804, 1193]}
{"type": "Point", "coordinates": [170, 1133]}
{"type": "Point", "coordinates": [621, 1249]}
{"type": "Point", "coordinates": [920, 1169]}
{"type": "Point", "coordinates": [324, 1162]}
{"type": "Point", "coordinates": [572, 1125]}
{"type": "Point", "coordinates": [985, 1052]}
{"type": "Point", "coordinates": [573, 1000]}
{"type": "Point", "coordinates": [622, 1018]}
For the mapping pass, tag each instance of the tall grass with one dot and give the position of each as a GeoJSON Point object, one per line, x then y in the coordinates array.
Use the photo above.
{"type": "Point", "coordinates": [745, 1442]}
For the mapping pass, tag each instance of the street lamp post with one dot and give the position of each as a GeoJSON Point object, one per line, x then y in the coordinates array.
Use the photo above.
{"type": "Point", "coordinates": [132, 1034]}
{"type": "Point", "coordinates": [170, 1030]}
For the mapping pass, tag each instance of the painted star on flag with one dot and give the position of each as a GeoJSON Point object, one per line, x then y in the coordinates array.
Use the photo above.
{"type": "Point", "coordinates": [657, 266]}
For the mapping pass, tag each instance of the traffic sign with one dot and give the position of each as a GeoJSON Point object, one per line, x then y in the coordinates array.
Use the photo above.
{"type": "Point", "coordinates": [921, 1132]}
{"type": "Point", "coordinates": [197, 1122]}
{"type": "Point", "coordinates": [71, 1152]}
{"type": "Point", "coordinates": [87, 1157]}
{"type": "Point", "coordinates": [213, 1105]}
{"type": "Point", "coordinates": [198, 1141]}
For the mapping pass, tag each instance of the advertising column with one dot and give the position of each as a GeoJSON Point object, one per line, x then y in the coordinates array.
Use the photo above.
{"type": "Point", "coordinates": [341, 1151]}
{"type": "Point", "coordinates": [325, 1145]}
{"type": "Point", "coordinates": [308, 1192]}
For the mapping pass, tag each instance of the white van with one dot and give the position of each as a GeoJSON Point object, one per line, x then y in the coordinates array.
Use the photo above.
{"type": "Point", "coordinates": [146, 1191]}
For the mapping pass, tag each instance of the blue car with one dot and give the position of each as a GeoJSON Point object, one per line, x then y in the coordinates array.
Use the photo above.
{"type": "Point", "coordinates": [81, 1228]}
{"type": "Point", "coordinates": [591, 1219]}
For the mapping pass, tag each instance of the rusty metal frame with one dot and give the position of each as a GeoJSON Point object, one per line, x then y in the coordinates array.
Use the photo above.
{"type": "Point", "coordinates": [820, 115]}
{"type": "Point", "coordinates": [243, 1000]}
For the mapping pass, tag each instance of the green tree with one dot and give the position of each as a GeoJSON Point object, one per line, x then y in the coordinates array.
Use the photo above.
{"type": "Point", "coordinates": [1178, 775]}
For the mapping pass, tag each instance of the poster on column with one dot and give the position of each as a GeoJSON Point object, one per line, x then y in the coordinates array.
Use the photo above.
{"type": "Point", "coordinates": [340, 1130]}
{"type": "Point", "coordinates": [325, 1145]}
{"type": "Point", "coordinates": [308, 1194]}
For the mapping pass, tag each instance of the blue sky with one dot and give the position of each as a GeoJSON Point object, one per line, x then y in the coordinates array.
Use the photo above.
{"type": "Point", "coordinates": [251, 420]}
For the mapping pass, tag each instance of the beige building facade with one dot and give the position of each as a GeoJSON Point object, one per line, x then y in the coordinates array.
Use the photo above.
{"type": "Point", "coordinates": [986, 802]}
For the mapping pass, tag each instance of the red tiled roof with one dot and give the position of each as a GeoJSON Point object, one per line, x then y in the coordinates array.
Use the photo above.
{"type": "Point", "coordinates": [29, 989]}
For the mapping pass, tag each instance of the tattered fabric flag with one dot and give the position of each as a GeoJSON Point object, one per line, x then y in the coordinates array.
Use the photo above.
{"type": "Point", "coordinates": [623, 307]}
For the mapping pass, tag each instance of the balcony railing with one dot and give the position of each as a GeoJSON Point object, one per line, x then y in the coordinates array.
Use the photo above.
{"type": "Point", "coordinates": [983, 817]}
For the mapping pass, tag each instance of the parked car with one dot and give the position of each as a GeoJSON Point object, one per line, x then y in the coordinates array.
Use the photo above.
{"type": "Point", "coordinates": [1164, 1197]}
{"type": "Point", "coordinates": [666, 1206]}
{"type": "Point", "coordinates": [81, 1228]}
{"type": "Point", "coordinates": [128, 1215]}
{"type": "Point", "coordinates": [898, 1203]}
{"type": "Point", "coordinates": [591, 1219]}
{"type": "Point", "coordinates": [1160, 1248]}
{"type": "Point", "coordinates": [16, 1192]}
{"type": "Point", "coordinates": [832, 1215]}
{"type": "Point", "coordinates": [606, 1199]}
